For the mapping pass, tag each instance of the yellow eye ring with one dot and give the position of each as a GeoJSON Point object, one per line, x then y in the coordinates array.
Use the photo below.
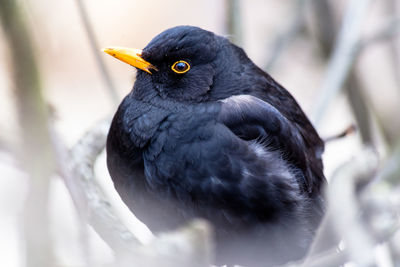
{"type": "Point", "coordinates": [180, 67]}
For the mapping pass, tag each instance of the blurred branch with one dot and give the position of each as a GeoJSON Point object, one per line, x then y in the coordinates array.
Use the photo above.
{"type": "Point", "coordinates": [332, 258]}
{"type": "Point", "coordinates": [76, 192]}
{"type": "Point", "coordinates": [324, 249]}
{"type": "Point", "coordinates": [394, 9]}
{"type": "Point", "coordinates": [95, 49]}
{"type": "Point", "coordinates": [188, 246]}
{"type": "Point", "coordinates": [389, 31]}
{"type": "Point", "coordinates": [358, 105]}
{"type": "Point", "coordinates": [386, 33]}
{"type": "Point", "coordinates": [349, 130]}
{"type": "Point", "coordinates": [283, 40]}
{"type": "Point", "coordinates": [234, 21]}
{"type": "Point", "coordinates": [343, 56]}
{"type": "Point", "coordinates": [358, 101]}
{"type": "Point", "coordinates": [6, 147]}
{"type": "Point", "coordinates": [347, 221]}
{"type": "Point", "coordinates": [391, 169]}
{"type": "Point", "coordinates": [326, 26]}
{"type": "Point", "coordinates": [325, 240]}
{"type": "Point", "coordinates": [36, 154]}
{"type": "Point", "coordinates": [326, 35]}
{"type": "Point", "coordinates": [87, 194]}
{"type": "Point", "coordinates": [343, 220]}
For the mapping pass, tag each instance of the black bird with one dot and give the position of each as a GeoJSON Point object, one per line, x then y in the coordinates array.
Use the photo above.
{"type": "Point", "coordinates": [206, 133]}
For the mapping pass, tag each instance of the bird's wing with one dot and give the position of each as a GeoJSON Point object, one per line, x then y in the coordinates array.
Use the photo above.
{"type": "Point", "coordinates": [250, 118]}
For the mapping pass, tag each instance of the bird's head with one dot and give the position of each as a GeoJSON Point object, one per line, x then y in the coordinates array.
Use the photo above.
{"type": "Point", "coordinates": [187, 63]}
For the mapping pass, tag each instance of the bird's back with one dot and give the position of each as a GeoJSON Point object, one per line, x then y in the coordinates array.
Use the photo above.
{"type": "Point", "coordinates": [264, 87]}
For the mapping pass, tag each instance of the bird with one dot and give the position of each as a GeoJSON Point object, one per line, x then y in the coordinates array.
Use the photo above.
{"type": "Point", "coordinates": [206, 133]}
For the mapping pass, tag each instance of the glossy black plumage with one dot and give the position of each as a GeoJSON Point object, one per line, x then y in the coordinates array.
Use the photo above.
{"type": "Point", "coordinates": [224, 142]}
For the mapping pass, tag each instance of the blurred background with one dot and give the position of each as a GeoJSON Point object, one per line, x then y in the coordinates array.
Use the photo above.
{"type": "Point", "coordinates": [340, 59]}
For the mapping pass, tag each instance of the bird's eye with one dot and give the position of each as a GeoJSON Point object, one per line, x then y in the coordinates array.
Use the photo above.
{"type": "Point", "coordinates": [180, 67]}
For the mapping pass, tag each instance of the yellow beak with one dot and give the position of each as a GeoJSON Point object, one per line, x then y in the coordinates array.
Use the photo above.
{"type": "Point", "coordinates": [131, 56]}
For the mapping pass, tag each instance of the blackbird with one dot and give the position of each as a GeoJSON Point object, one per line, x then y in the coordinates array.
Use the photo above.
{"type": "Point", "coordinates": [205, 133]}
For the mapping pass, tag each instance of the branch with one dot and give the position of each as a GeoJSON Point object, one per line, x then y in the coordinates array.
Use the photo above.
{"type": "Point", "coordinates": [190, 245]}
{"type": "Point", "coordinates": [385, 34]}
{"type": "Point", "coordinates": [343, 56]}
{"type": "Point", "coordinates": [389, 31]}
{"type": "Point", "coordinates": [324, 249]}
{"type": "Point", "coordinates": [35, 152]}
{"type": "Point", "coordinates": [326, 239]}
{"type": "Point", "coordinates": [395, 43]}
{"type": "Point", "coordinates": [283, 40]}
{"type": "Point", "coordinates": [332, 258]}
{"type": "Point", "coordinates": [359, 106]}
{"type": "Point", "coordinates": [391, 170]}
{"type": "Point", "coordinates": [347, 221]}
{"type": "Point", "coordinates": [87, 194]}
{"type": "Point", "coordinates": [348, 131]}
{"type": "Point", "coordinates": [233, 21]}
{"type": "Point", "coordinates": [343, 221]}
{"type": "Point", "coordinates": [95, 49]}
{"type": "Point", "coordinates": [326, 33]}
{"type": "Point", "coordinates": [325, 25]}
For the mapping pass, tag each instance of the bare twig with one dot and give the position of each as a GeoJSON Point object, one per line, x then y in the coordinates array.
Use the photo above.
{"type": "Point", "coordinates": [389, 31]}
{"type": "Point", "coordinates": [36, 154]}
{"type": "Point", "coordinates": [95, 205]}
{"type": "Point", "coordinates": [347, 221]}
{"type": "Point", "coordinates": [349, 130]}
{"type": "Point", "coordinates": [95, 49]}
{"type": "Point", "coordinates": [6, 147]}
{"type": "Point", "coordinates": [359, 106]}
{"type": "Point", "coordinates": [191, 245]}
{"type": "Point", "coordinates": [76, 192]}
{"type": "Point", "coordinates": [326, 239]}
{"type": "Point", "coordinates": [343, 56]}
{"type": "Point", "coordinates": [282, 41]}
{"type": "Point", "coordinates": [394, 10]}
{"type": "Point", "coordinates": [325, 25]}
{"type": "Point", "coordinates": [391, 170]}
{"type": "Point", "coordinates": [386, 33]}
{"type": "Point", "coordinates": [234, 21]}
{"type": "Point", "coordinates": [324, 249]}
{"type": "Point", "coordinates": [332, 258]}
{"type": "Point", "coordinates": [326, 34]}
{"type": "Point", "coordinates": [364, 218]}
